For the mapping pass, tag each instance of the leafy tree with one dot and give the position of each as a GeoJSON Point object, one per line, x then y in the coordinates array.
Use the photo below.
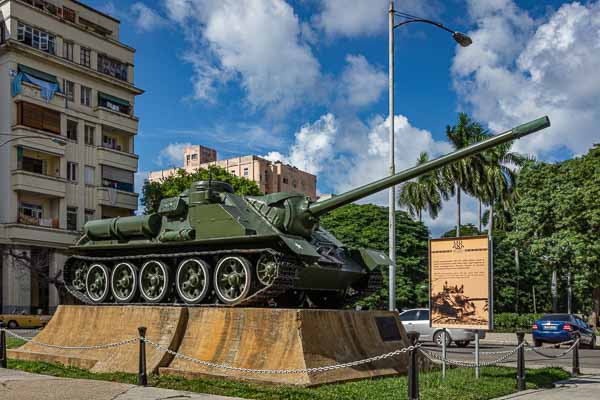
{"type": "Point", "coordinates": [367, 226]}
{"type": "Point", "coordinates": [557, 222]}
{"type": "Point", "coordinates": [154, 192]}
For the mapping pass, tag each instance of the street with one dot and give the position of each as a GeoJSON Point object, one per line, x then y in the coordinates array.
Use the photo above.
{"type": "Point", "coordinates": [589, 359]}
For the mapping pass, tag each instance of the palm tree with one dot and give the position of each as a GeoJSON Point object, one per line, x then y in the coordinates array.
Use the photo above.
{"type": "Point", "coordinates": [424, 193]}
{"type": "Point", "coordinates": [469, 174]}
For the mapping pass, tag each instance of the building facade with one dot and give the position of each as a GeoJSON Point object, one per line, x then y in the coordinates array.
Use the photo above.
{"type": "Point", "coordinates": [68, 129]}
{"type": "Point", "coordinates": [270, 176]}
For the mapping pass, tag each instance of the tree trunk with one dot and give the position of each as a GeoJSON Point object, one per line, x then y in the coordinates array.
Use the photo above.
{"type": "Point", "coordinates": [595, 307]}
{"type": "Point", "coordinates": [457, 210]}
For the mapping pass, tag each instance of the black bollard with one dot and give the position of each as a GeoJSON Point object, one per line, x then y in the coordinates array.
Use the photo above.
{"type": "Point", "coordinates": [142, 376]}
{"type": "Point", "coordinates": [413, 368]}
{"type": "Point", "coordinates": [520, 362]}
{"type": "Point", "coordinates": [3, 360]}
{"type": "Point", "coordinates": [576, 370]}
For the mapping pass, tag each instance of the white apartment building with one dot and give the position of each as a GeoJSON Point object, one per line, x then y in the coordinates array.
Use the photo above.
{"type": "Point", "coordinates": [67, 132]}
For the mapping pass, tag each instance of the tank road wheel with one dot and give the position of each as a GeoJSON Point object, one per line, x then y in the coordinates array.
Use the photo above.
{"type": "Point", "coordinates": [154, 281]}
{"type": "Point", "coordinates": [123, 282]}
{"type": "Point", "coordinates": [97, 283]}
{"type": "Point", "coordinates": [233, 279]}
{"type": "Point", "coordinates": [192, 280]}
{"type": "Point", "coordinates": [266, 269]}
{"type": "Point", "coordinates": [79, 276]}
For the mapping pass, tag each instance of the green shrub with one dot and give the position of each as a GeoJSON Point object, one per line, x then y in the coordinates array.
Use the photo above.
{"type": "Point", "coordinates": [510, 322]}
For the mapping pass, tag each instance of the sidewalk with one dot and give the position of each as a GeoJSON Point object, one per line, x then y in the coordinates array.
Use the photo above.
{"type": "Point", "coordinates": [509, 339]}
{"type": "Point", "coordinates": [17, 385]}
{"type": "Point", "coordinates": [584, 387]}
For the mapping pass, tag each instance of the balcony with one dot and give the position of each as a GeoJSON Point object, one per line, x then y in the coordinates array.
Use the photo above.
{"type": "Point", "coordinates": [30, 92]}
{"type": "Point", "coordinates": [117, 198]}
{"type": "Point", "coordinates": [40, 235]}
{"type": "Point", "coordinates": [46, 222]}
{"type": "Point", "coordinates": [27, 181]}
{"type": "Point", "coordinates": [116, 158]}
{"type": "Point", "coordinates": [117, 119]}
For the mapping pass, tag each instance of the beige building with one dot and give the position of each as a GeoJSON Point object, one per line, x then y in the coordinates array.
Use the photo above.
{"type": "Point", "coordinates": [66, 156]}
{"type": "Point", "coordinates": [270, 176]}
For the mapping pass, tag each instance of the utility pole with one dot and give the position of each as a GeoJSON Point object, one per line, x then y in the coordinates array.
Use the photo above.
{"type": "Point", "coordinates": [392, 192]}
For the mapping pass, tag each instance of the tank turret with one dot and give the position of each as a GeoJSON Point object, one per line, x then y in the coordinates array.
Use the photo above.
{"type": "Point", "coordinates": [209, 245]}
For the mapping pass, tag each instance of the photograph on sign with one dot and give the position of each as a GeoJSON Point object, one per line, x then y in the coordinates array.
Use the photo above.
{"type": "Point", "coordinates": [460, 283]}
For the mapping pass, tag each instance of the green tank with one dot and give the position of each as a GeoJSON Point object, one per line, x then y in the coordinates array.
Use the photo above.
{"type": "Point", "coordinates": [212, 246]}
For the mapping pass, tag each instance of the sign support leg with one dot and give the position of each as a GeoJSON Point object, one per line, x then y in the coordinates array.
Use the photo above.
{"type": "Point", "coordinates": [444, 353]}
{"type": "Point", "coordinates": [477, 371]}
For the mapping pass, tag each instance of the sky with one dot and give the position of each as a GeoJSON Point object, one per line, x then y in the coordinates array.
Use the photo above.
{"type": "Point", "coordinates": [306, 81]}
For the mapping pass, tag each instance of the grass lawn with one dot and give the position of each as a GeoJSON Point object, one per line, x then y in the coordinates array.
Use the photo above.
{"type": "Point", "coordinates": [460, 384]}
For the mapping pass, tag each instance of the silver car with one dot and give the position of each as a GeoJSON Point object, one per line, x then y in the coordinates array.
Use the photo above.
{"type": "Point", "coordinates": [417, 320]}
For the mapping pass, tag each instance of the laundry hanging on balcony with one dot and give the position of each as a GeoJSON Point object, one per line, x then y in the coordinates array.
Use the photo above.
{"type": "Point", "coordinates": [47, 83]}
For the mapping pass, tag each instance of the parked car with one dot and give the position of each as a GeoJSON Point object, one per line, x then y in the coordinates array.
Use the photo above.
{"type": "Point", "coordinates": [417, 320]}
{"type": "Point", "coordinates": [557, 328]}
{"type": "Point", "coordinates": [13, 321]}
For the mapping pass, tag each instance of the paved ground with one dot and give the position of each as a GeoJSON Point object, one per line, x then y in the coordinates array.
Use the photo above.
{"type": "Point", "coordinates": [584, 387]}
{"type": "Point", "coordinates": [17, 385]}
{"type": "Point", "coordinates": [589, 359]}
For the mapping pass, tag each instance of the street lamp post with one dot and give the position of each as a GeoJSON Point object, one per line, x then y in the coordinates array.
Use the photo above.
{"type": "Point", "coordinates": [462, 40]}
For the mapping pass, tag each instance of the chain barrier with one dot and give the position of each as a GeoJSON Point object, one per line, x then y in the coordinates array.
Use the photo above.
{"type": "Point", "coordinates": [53, 346]}
{"type": "Point", "coordinates": [432, 356]}
{"type": "Point", "coordinates": [553, 356]}
{"type": "Point", "coordinates": [282, 371]}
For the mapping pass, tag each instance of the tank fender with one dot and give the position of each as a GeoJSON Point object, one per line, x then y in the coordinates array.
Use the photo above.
{"type": "Point", "coordinates": [300, 246]}
{"type": "Point", "coordinates": [374, 258]}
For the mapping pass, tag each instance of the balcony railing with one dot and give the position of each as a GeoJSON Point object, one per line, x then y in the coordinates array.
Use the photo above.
{"type": "Point", "coordinates": [46, 222]}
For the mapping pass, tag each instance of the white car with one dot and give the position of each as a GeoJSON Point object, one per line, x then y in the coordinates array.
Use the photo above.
{"type": "Point", "coordinates": [417, 320]}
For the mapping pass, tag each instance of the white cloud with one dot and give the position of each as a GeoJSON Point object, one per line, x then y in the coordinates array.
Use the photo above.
{"type": "Point", "coordinates": [362, 82]}
{"type": "Point", "coordinates": [518, 69]}
{"type": "Point", "coordinates": [356, 18]}
{"type": "Point", "coordinates": [172, 155]}
{"type": "Point", "coordinates": [260, 44]}
{"type": "Point", "coordinates": [313, 147]}
{"type": "Point", "coordinates": [145, 18]}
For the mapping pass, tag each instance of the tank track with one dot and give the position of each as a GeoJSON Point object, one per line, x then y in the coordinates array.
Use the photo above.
{"type": "Point", "coordinates": [287, 274]}
{"type": "Point", "coordinates": [374, 283]}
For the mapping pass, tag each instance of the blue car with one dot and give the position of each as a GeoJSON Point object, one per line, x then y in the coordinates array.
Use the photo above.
{"type": "Point", "coordinates": [557, 328]}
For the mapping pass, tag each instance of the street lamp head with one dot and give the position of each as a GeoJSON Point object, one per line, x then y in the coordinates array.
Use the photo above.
{"type": "Point", "coordinates": [462, 39]}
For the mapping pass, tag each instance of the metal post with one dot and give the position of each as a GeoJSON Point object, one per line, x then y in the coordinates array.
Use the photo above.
{"type": "Point", "coordinates": [3, 360]}
{"type": "Point", "coordinates": [392, 193]}
{"type": "Point", "coordinates": [520, 362]}
{"type": "Point", "coordinates": [576, 370]}
{"type": "Point", "coordinates": [444, 354]}
{"type": "Point", "coordinates": [477, 369]}
{"type": "Point", "coordinates": [569, 292]}
{"type": "Point", "coordinates": [413, 368]}
{"type": "Point", "coordinates": [142, 375]}
{"type": "Point", "coordinates": [554, 291]}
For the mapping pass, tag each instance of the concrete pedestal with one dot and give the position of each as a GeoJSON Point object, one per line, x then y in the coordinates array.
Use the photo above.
{"type": "Point", "coordinates": [255, 338]}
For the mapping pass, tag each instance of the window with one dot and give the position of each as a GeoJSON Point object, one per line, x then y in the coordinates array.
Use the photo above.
{"type": "Point", "coordinates": [245, 171]}
{"type": "Point", "coordinates": [285, 180]}
{"type": "Point", "coordinates": [117, 178]}
{"type": "Point", "coordinates": [85, 57]}
{"type": "Point", "coordinates": [110, 142]}
{"type": "Point", "coordinates": [35, 38]}
{"type": "Point", "coordinates": [187, 160]}
{"type": "Point", "coordinates": [72, 218]}
{"type": "Point", "coordinates": [86, 95]}
{"type": "Point", "coordinates": [89, 215]}
{"type": "Point", "coordinates": [68, 14]}
{"type": "Point", "coordinates": [37, 117]}
{"type": "Point", "coordinates": [69, 89]}
{"type": "Point", "coordinates": [31, 211]}
{"type": "Point", "coordinates": [90, 174]}
{"type": "Point", "coordinates": [89, 135]}
{"type": "Point", "coordinates": [112, 67]}
{"type": "Point", "coordinates": [409, 315]}
{"type": "Point", "coordinates": [34, 165]}
{"type": "Point", "coordinates": [2, 32]}
{"type": "Point", "coordinates": [71, 171]}
{"type": "Point", "coordinates": [68, 50]}
{"type": "Point", "coordinates": [195, 156]}
{"type": "Point", "coordinates": [423, 315]}
{"type": "Point", "coordinates": [72, 129]}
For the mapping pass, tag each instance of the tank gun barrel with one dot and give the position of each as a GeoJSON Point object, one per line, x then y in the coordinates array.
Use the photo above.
{"type": "Point", "coordinates": [319, 208]}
